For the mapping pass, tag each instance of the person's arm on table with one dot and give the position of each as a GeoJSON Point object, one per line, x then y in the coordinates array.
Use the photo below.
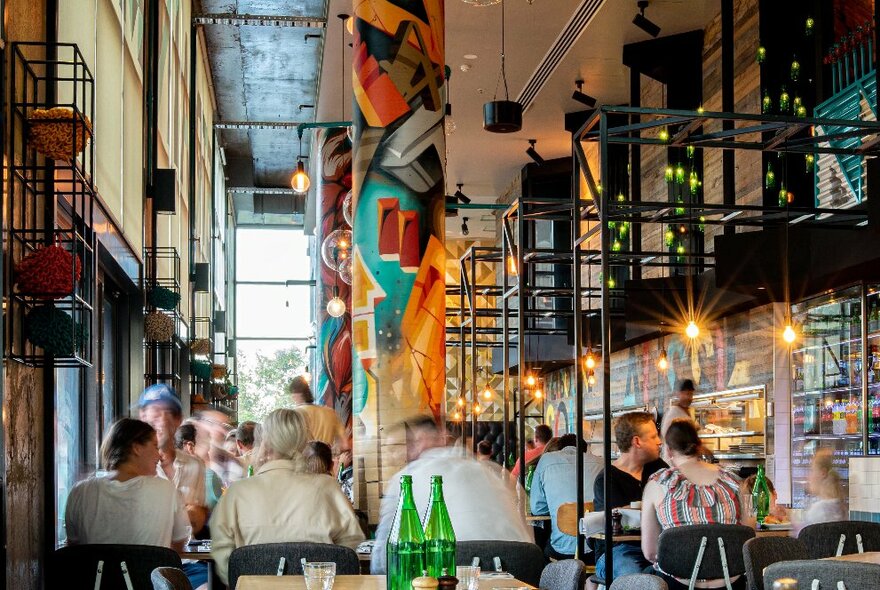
{"type": "Point", "coordinates": [650, 525]}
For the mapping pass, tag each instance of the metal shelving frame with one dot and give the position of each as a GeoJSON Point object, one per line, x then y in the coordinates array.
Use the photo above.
{"type": "Point", "coordinates": [765, 133]}
{"type": "Point", "coordinates": [162, 359]}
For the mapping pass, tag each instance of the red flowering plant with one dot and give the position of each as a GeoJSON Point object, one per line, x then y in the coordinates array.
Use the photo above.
{"type": "Point", "coordinates": [48, 273]}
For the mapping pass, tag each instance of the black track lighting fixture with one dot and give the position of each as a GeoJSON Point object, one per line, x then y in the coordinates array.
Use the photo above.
{"type": "Point", "coordinates": [642, 22]}
{"type": "Point", "coordinates": [584, 99]}
{"type": "Point", "coordinates": [460, 196]}
{"type": "Point", "coordinates": [464, 228]}
{"type": "Point", "coordinates": [533, 154]}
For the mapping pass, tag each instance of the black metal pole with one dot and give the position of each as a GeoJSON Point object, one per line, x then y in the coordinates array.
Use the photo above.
{"type": "Point", "coordinates": [635, 190]}
{"type": "Point", "coordinates": [522, 331]}
{"type": "Point", "coordinates": [605, 237]}
{"type": "Point", "coordinates": [576, 324]}
{"type": "Point", "coordinates": [191, 187]}
{"type": "Point", "coordinates": [505, 351]}
{"type": "Point", "coordinates": [728, 158]}
{"type": "Point", "coordinates": [475, 394]}
{"type": "Point", "coordinates": [462, 410]}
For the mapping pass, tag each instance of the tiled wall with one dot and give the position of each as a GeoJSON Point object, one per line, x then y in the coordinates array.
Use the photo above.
{"type": "Point", "coordinates": [864, 488]}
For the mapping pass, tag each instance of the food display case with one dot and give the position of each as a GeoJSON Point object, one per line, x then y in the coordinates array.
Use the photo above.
{"type": "Point", "coordinates": [733, 423]}
{"type": "Point", "coordinates": [827, 388]}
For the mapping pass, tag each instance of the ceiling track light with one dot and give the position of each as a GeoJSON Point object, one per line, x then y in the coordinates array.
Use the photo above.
{"type": "Point", "coordinates": [584, 99]}
{"type": "Point", "coordinates": [464, 227]}
{"type": "Point", "coordinates": [642, 22]}
{"type": "Point", "coordinates": [533, 154]}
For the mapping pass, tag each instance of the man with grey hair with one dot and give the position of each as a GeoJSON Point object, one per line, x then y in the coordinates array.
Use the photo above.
{"type": "Point", "coordinates": [324, 424]}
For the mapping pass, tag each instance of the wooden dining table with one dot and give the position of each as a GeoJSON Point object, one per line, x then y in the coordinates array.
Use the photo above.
{"type": "Point", "coordinates": [774, 532]}
{"type": "Point", "coordinates": [356, 583]}
{"type": "Point", "coordinates": [867, 557]}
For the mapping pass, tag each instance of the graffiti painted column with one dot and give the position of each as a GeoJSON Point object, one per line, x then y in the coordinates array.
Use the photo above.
{"type": "Point", "coordinates": [398, 288]}
{"type": "Point", "coordinates": [333, 234]}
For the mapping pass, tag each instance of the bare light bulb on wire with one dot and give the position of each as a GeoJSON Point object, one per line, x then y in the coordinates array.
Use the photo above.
{"type": "Point", "coordinates": [488, 394]}
{"type": "Point", "coordinates": [788, 334]}
{"type": "Point", "coordinates": [590, 361]}
{"type": "Point", "coordinates": [336, 306]}
{"type": "Point", "coordinates": [662, 362]}
{"type": "Point", "coordinates": [692, 330]}
{"type": "Point", "coordinates": [300, 182]}
{"type": "Point", "coordinates": [530, 380]}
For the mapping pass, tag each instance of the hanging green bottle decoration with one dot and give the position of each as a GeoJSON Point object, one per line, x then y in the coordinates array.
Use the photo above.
{"type": "Point", "coordinates": [766, 103]}
{"type": "Point", "coordinates": [611, 283]}
{"type": "Point", "coordinates": [679, 174]}
{"type": "Point", "coordinates": [680, 249]}
{"type": "Point", "coordinates": [669, 237]}
{"type": "Point", "coordinates": [663, 135]}
{"type": "Point", "coordinates": [770, 177]}
{"type": "Point", "coordinates": [783, 196]}
{"type": "Point", "coordinates": [801, 111]}
{"type": "Point", "coordinates": [795, 70]}
{"type": "Point", "coordinates": [612, 225]}
{"type": "Point", "coordinates": [784, 100]}
{"type": "Point", "coordinates": [702, 225]}
{"type": "Point", "coordinates": [624, 228]}
{"type": "Point", "coordinates": [616, 246]}
{"type": "Point", "coordinates": [761, 55]}
{"type": "Point", "coordinates": [690, 152]}
{"type": "Point", "coordinates": [679, 210]}
{"type": "Point", "coordinates": [796, 102]}
{"type": "Point", "coordinates": [668, 173]}
{"type": "Point", "coordinates": [694, 183]}
{"type": "Point", "coordinates": [809, 160]}
{"type": "Point", "coordinates": [809, 25]}
{"type": "Point", "coordinates": [621, 197]}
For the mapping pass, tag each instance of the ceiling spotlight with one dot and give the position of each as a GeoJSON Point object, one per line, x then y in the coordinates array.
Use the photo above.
{"type": "Point", "coordinates": [464, 228]}
{"type": "Point", "coordinates": [584, 99]}
{"type": "Point", "coordinates": [460, 196]}
{"type": "Point", "coordinates": [642, 22]}
{"type": "Point", "coordinates": [533, 154]}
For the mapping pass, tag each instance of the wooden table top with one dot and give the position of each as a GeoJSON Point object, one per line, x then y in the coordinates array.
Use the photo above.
{"type": "Point", "coordinates": [638, 537]}
{"type": "Point", "coordinates": [867, 557]}
{"type": "Point", "coordinates": [206, 556]}
{"type": "Point", "coordinates": [351, 583]}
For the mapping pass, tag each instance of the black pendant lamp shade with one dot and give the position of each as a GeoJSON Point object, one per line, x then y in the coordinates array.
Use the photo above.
{"type": "Point", "coordinates": [502, 116]}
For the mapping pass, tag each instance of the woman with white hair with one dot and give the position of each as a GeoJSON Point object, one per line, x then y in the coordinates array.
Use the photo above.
{"type": "Point", "coordinates": [282, 503]}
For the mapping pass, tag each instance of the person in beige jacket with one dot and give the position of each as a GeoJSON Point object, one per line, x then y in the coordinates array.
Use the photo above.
{"type": "Point", "coordinates": [282, 503]}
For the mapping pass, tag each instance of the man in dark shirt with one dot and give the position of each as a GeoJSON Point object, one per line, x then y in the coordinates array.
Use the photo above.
{"type": "Point", "coordinates": [639, 445]}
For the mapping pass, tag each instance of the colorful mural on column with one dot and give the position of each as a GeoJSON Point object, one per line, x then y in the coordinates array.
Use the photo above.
{"type": "Point", "coordinates": [398, 289]}
{"type": "Point", "coordinates": [333, 377]}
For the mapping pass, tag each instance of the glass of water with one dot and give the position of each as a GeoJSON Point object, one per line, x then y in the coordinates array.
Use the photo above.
{"type": "Point", "coordinates": [468, 577]}
{"type": "Point", "coordinates": [319, 575]}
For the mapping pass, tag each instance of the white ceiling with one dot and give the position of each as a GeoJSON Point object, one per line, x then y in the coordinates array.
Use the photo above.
{"type": "Point", "coordinates": [531, 30]}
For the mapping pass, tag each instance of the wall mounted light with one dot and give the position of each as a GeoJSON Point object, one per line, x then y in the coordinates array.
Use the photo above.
{"type": "Point", "coordinates": [584, 99]}
{"type": "Point", "coordinates": [642, 22]}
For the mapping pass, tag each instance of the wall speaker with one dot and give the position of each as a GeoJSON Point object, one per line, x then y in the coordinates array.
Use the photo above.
{"type": "Point", "coordinates": [202, 277]}
{"type": "Point", "coordinates": [219, 321]}
{"type": "Point", "coordinates": [164, 191]}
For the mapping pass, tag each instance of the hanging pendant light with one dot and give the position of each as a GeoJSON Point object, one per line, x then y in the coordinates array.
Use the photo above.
{"type": "Point", "coordinates": [300, 182]}
{"type": "Point", "coordinates": [692, 330]}
{"type": "Point", "coordinates": [788, 334]}
{"type": "Point", "coordinates": [530, 380]}
{"type": "Point", "coordinates": [488, 393]}
{"type": "Point", "coordinates": [590, 361]}
{"type": "Point", "coordinates": [502, 116]}
{"type": "Point", "coordinates": [662, 362]}
{"type": "Point", "coordinates": [336, 306]}
{"type": "Point", "coordinates": [591, 378]}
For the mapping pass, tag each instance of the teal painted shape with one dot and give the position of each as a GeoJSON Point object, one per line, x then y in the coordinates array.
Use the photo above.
{"type": "Point", "coordinates": [847, 104]}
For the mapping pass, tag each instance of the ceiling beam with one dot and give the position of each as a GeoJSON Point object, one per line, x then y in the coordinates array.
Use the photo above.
{"type": "Point", "coordinates": [291, 125]}
{"type": "Point", "coordinates": [259, 20]}
{"type": "Point", "coordinates": [247, 190]}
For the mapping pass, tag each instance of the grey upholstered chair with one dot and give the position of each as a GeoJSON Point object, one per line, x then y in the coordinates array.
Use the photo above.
{"type": "Point", "coordinates": [760, 552]}
{"type": "Point", "coordinates": [525, 561]}
{"type": "Point", "coordinates": [696, 551]}
{"type": "Point", "coordinates": [639, 582]}
{"type": "Point", "coordinates": [824, 539]}
{"type": "Point", "coordinates": [169, 578]}
{"type": "Point", "coordinates": [264, 560]}
{"type": "Point", "coordinates": [854, 575]}
{"type": "Point", "coordinates": [80, 563]}
{"type": "Point", "coordinates": [565, 574]}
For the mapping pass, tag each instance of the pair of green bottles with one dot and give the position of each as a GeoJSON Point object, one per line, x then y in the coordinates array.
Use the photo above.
{"type": "Point", "coordinates": [413, 546]}
{"type": "Point", "coordinates": [761, 496]}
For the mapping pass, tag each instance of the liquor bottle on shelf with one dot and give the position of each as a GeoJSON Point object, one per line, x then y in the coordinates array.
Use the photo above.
{"type": "Point", "coordinates": [827, 420]}
{"type": "Point", "coordinates": [838, 424]}
{"type": "Point", "coordinates": [811, 416]}
{"type": "Point", "coordinates": [852, 420]}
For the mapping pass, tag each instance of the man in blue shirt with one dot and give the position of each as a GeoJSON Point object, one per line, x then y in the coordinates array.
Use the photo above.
{"type": "Point", "coordinates": [554, 484]}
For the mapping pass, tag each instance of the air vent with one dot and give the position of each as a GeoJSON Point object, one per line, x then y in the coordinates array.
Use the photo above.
{"type": "Point", "coordinates": [576, 25]}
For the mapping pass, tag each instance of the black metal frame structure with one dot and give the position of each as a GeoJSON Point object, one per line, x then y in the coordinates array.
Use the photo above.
{"type": "Point", "coordinates": [765, 133]}
{"type": "Point", "coordinates": [162, 359]}
{"type": "Point", "coordinates": [50, 202]}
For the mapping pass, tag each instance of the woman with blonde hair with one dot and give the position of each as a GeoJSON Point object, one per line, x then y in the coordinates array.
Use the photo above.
{"type": "Point", "coordinates": [282, 503]}
{"type": "Point", "coordinates": [823, 484]}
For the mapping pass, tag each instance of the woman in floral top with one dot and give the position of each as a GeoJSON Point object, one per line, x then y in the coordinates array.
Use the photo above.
{"type": "Point", "coordinates": [690, 492]}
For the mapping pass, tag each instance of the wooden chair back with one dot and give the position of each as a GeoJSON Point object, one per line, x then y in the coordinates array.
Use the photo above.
{"type": "Point", "coordinates": [566, 517]}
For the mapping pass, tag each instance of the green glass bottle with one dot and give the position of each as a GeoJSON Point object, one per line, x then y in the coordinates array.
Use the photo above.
{"type": "Point", "coordinates": [439, 535]}
{"type": "Point", "coordinates": [530, 474]}
{"type": "Point", "coordinates": [405, 551]}
{"type": "Point", "coordinates": [761, 496]}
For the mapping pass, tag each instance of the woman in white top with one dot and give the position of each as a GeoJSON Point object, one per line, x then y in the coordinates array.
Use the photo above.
{"type": "Point", "coordinates": [282, 503]}
{"type": "Point", "coordinates": [823, 484]}
{"type": "Point", "coordinates": [129, 505]}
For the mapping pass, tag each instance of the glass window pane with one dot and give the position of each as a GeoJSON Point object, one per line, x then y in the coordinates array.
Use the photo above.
{"type": "Point", "coordinates": [273, 311]}
{"type": "Point", "coordinates": [265, 367]}
{"type": "Point", "coordinates": [271, 255]}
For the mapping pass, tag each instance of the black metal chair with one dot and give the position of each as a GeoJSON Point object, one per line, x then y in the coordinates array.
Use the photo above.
{"type": "Point", "coordinates": [639, 582]}
{"type": "Point", "coordinates": [170, 578]}
{"type": "Point", "coordinates": [703, 551]}
{"type": "Point", "coordinates": [265, 560]}
{"type": "Point", "coordinates": [525, 561]}
{"type": "Point", "coordinates": [854, 575]}
{"type": "Point", "coordinates": [118, 562]}
{"type": "Point", "coordinates": [761, 552]}
{"type": "Point", "coordinates": [566, 574]}
{"type": "Point", "coordinates": [829, 539]}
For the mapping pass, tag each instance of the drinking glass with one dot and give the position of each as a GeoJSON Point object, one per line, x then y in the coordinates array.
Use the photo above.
{"type": "Point", "coordinates": [468, 577]}
{"type": "Point", "coordinates": [319, 575]}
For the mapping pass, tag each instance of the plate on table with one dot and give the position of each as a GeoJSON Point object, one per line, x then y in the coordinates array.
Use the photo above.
{"type": "Point", "coordinates": [778, 526]}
